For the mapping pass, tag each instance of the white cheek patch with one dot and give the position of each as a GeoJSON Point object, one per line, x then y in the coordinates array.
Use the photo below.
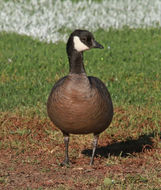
{"type": "Point", "coordinates": [78, 45]}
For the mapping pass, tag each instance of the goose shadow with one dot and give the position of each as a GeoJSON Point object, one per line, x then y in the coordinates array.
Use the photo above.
{"type": "Point", "coordinates": [124, 148]}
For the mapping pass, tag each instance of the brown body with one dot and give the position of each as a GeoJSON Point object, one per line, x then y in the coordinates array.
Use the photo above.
{"type": "Point", "coordinates": [80, 105]}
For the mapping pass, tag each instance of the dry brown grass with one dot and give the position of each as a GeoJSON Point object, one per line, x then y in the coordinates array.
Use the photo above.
{"type": "Point", "coordinates": [128, 156]}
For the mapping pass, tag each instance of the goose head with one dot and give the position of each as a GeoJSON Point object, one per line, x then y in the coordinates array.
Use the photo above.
{"type": "Point", "coordinates": [81, 40]}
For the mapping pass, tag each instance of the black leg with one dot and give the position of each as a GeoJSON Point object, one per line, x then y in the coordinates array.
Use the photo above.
{"type": "Point", "coordinates": [95, 141]}
{"type": "Point", "coordinates": [66, 142]}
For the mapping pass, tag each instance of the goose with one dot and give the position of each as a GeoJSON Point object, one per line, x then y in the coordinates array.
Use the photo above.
{"type": "Point", "coordinates": [80, 104]}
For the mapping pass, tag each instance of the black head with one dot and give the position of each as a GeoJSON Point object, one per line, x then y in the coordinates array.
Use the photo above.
{"type": "Point", "coordinates": [81, 40]}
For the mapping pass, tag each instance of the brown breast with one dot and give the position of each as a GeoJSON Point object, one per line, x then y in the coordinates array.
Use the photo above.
{"type": "Point", "coordinates": [80, 105]}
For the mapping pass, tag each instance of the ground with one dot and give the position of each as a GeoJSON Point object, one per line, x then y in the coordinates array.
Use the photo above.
{"type": "Point", "coordinates": [32, 150]}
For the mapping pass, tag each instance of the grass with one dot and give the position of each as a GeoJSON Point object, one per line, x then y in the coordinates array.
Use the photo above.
{"type": "Point", "coordinates": [129, 66]}
{"type": "Point", "coordinates": [128, 156]}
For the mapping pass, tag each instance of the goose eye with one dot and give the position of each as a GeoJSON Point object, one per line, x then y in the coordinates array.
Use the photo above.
{"type": "Point", "coordinates": [84, 39]}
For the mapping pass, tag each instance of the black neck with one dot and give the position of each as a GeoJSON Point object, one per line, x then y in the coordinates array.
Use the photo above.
{"type": "Point", "coordinates": [76, 65]}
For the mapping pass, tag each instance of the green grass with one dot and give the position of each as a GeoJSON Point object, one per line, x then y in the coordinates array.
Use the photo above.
{"type": "Point", "coordinates": [28, 70]}
{"type": "Point", "coordinates": [129, 66]}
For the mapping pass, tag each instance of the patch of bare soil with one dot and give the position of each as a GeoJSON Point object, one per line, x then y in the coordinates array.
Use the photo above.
{"type": "Point", "coordinates": [31, 151]}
